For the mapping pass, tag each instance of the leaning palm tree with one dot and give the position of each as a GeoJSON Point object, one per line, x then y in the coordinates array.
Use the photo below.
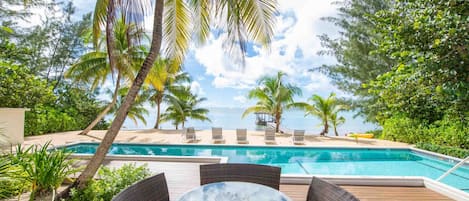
{"type": "Point", "coordinates": [324, 109]}
{"type": "Point", "coordinates": [93, 67]}
{"type": "Point", "coordinates": [274, 97]}
{"type": "Point", "coordinates": [184, 107]}
{"type": "Point", "coordinates": [242, 21]}
{"type": "Point", "coordinates": [336, 121]}
{"type": "Point", "coordinates": [165, 80]}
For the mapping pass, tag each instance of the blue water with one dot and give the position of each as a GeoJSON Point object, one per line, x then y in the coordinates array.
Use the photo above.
{"type": "Point", "coordinates": [301, 160]}
{"type": "Point", "coordinates": [230, 118]}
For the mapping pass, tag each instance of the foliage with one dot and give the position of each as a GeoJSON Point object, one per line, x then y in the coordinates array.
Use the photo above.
{"type": "Point", "coordinates": [357, 63]}
{"type": "Point", "coordinates": [447, 150]}
{"type": "Point", "coordinates": [44, 170]}
{"type": "Point", "coordinates": [11, 179]}
{"type": "Point", "coordinates": [184, 106]}
{"type": "Point", "coordinates": [69, 108]}
{"type": "Point", "coordinates": [274, 96]}
{"type": "Point", "coordinates": [326, 110]}
{"type": "Point", "coordinates": [416, 54]}
{"type": "Point", "coordinates": [111, 182]}
{"type": "Point", "coordinates": [447, 132]}
{"type": "Point", "coordinates": [430, 77]}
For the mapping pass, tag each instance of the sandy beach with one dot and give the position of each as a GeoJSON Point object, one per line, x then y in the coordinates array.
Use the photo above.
{"type": "Point", "coordinates": [204, 136]}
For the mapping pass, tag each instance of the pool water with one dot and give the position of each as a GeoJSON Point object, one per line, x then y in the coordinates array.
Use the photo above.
{"type": "Point", "coordinates": [304, 160]}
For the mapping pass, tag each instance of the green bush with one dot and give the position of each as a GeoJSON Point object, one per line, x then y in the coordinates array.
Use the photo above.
{"type": "Point", "coordinates": [11, 182]}
{"type": "Point", "coordinates": [449, 131]}
{"type": "Point", "coordinates": [111, 182]}
{"type": "Point", "coordinates": [447, 150]}
{"type": "Point", "coordinates": [64, 108]}
{"type": "Point", "coordinates": [44, 170]}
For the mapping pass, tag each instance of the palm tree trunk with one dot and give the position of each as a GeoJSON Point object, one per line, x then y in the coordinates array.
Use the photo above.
{"type": "Point", "coordinates": [106, 110]}
{"type": "Point", "coordinates": [111, 134]}
{"type": "Point", "coordinates": [278, 116]}
{"type": "Point", "coordinates": [326, 127]}
{"type": "Point", "coordinates": [158, 108]}
{"type": "Point", "coordinates": [335, 131]}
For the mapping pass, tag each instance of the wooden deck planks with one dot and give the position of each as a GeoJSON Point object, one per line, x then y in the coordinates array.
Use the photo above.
{"type": "Point", "coordinates": [182, 177]}
{"type": "Point", "coordinates": [368, 193]}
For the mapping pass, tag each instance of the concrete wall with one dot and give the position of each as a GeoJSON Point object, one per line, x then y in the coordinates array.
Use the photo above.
{"type": "Point", "coordinates": [12, 125]}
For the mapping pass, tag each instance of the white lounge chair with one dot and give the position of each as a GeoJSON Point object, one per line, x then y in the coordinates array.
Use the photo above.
{"type": "Point", "coordinates": [189, 135]}
{"type": "Point", "coordinates": [241, 136]}
{"type": "Point", "coordinates": [269, 137]}
{"type": "Point", "coordinates": [217, 135]}
{"type": "Point", "coordinates": [298, 137]}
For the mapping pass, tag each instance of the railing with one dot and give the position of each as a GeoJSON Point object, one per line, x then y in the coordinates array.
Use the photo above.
{"type": "Point", "coordinates": [453, 168]}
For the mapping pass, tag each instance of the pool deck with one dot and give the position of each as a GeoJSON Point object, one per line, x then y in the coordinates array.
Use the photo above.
{"type": "Point", "coordinates": [204, 137]}
{"type": "Point", "coordinates": [182, 177]}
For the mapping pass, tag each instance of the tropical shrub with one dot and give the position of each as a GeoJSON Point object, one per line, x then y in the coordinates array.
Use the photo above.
{"type": "Point", "coordinates": [11, 183]}
{"type": "Point", "coordinates": [44, 170]}
{"type": "Point", "coordinates": [111, 182]}
{"type": "Point", "coordinates": [447, 150]}
{"type": "Point", "coordinates": [63, 109]}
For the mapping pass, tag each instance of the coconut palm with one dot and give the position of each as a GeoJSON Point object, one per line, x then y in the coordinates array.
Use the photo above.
{"type": "Point", "coordinates": [184, 107]}
{"type": "Point", "coordinates": [183, 21]}
{"type": "Point", "coordinates": [137, 111]}
{"type": "Point", "coordinates": [336, 121]}
{"type": "Point", "coordinates": [93, 67]}
{"type": "Point", "coordinates": [274, 97]}
{"type": "Point", "coordinates": [324, 109]}
{"type": "Point", "coordinates": [165, 80]}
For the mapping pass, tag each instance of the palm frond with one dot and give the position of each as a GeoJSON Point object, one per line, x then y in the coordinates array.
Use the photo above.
{"type": "Point", "coordinates": [176, 30]}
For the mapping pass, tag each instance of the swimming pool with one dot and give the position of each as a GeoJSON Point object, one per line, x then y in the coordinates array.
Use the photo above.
{"type": "Point", "coordinates": [309, 160]}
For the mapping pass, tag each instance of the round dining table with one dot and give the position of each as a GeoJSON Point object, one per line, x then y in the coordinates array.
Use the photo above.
{"type": "Point", "coordinates": [234, 191]}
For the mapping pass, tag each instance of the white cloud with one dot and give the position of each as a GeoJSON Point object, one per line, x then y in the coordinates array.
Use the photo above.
{"type": "Point", "coordinates": [298, 26]}
{"type": "Point", "coordinates": [241, 99]}
{"type": "Point", "coordinates": [197, 89]}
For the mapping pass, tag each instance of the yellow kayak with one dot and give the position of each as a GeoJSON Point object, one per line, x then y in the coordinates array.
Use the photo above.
{"type": "Point", "coordinates": [361, 135]}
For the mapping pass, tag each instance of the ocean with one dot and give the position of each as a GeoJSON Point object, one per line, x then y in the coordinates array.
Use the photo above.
{"type": "Point", "coordinates": [230, 119]}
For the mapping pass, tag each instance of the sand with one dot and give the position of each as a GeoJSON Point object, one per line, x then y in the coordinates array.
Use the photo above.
{"type": "Point", "coordinates": [204, 136]}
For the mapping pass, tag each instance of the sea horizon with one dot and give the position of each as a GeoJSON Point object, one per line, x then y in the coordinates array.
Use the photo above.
{"type": "Point", "coordinates": [229, 118]}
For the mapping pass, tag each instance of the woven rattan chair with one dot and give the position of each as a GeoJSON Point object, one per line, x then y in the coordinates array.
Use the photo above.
{"type": "Point", "coordinates": [320, 190]}
{"type": "Point", "coordinates": [241, 136]}
{"type": "Point", "coordinates": [259, 174]}
{"type": "Point", "coordinates": [150, 189]}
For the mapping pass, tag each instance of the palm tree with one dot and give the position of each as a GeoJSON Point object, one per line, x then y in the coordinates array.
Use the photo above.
{"type": "Point", "coordinates": [243, 21]}
{"type": "Point", "coordinates": [336, 122]}
{"type": "Point", "coordinates": [137, 111]}
{"type": "Point", "coordinates": [324, 109]}
{"type": "Point", "coordinates": [93, 67]}
{"type": "Point", "coordinates": [274, 97]}
{"type": "Point", "coordinates": [165, 81]}
{"type": "Point", "coordinates": [184, 107]}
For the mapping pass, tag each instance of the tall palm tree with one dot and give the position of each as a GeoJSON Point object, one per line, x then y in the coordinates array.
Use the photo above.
{"type": "Point", "coordinates": [93, 67]}
{"type": "Point", "coordinates": [184, 107]}
{"type": "Point", "coordinates": [242, 21]}
{"type": "Point", "coordinates": [165, 81]}
{"type": "Point", "coordinates": [336, 121]}
{"type": "Point", "coordinates": [274, 97]}
{"type": "Point", "coordinates": [324, 109]}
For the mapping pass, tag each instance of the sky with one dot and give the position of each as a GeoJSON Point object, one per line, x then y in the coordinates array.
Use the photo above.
{"type": "Point", "coordinates": [294, 50]}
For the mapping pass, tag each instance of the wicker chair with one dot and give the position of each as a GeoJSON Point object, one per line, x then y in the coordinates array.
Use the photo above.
{"type": "Point", "coordinates": [260, 174]}
{"type": "Point", "coordinates": [150, 189]}
{"type": "Point", "coordinates": [320, 190]}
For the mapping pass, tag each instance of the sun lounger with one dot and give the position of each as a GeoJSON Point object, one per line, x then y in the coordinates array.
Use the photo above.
{"type": "Point", "coordinates": [269, 137]}
{"type": "Point", "coordinates": [299, 137]}
{"type": "Point", "coordinates": [241, 136]}
{"type": "Point", "coordinates": [189, 134]}
{"type": "Point", "coordinates": [217, 135]}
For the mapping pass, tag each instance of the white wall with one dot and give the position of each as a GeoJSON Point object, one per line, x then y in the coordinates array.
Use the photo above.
{"type": "Point", "coordinates": [12, 125]}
